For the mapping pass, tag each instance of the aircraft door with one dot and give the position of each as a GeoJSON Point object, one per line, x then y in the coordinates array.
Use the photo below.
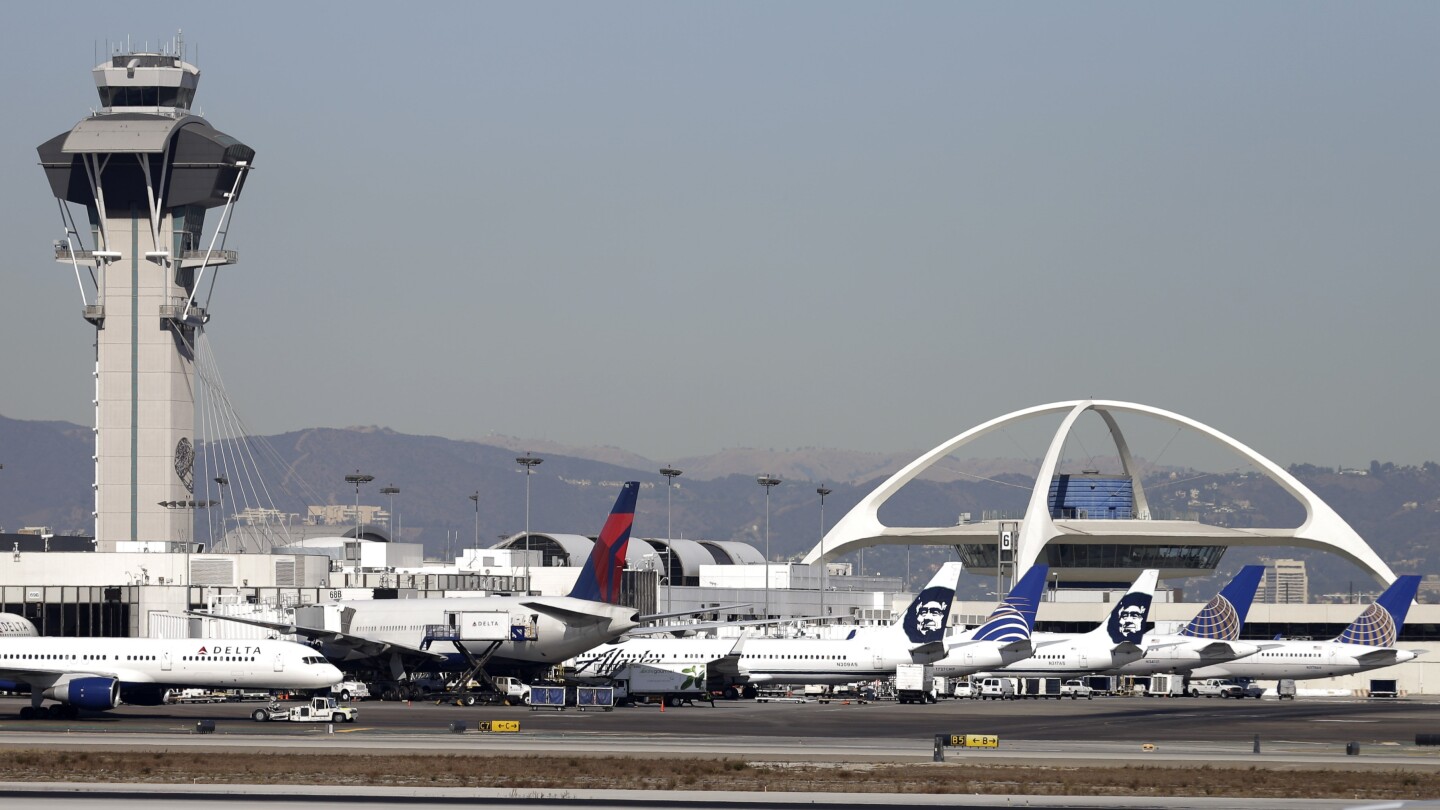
{"type": "Point", "coordinates": [279, 662]}
{"type": "Point", "coordinates": [165, 661]}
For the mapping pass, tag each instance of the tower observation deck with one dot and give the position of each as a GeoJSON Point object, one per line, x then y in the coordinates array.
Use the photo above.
{"type": "Point", "coordinates": [145, 170]}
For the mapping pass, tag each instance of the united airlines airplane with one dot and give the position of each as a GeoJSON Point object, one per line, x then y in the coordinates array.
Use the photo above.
{"type": "Point", "coordinates": [1368, 643]}
{"type": "Point", "coordinates": [1005, 637]}
{"type": "Point", "coordinates": [917, 636]}
{"type": "Point", "coordinates": [101, 673]}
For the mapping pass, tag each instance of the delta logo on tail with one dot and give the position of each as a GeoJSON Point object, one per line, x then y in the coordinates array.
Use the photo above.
{"type": "Point", "coordinates": [600, 578]}
{"type": "Point", "coordinates": [1014, 619]}
{"type": "Point", "coordinates": [1222, 616]}
{"type": "Point", "coordinates": [1379, 625]}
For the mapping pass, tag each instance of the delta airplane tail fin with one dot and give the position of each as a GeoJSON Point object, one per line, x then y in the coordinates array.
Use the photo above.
{"type": "Point", "coordinates": [1222, 617]}
{"type": "Point", "coordinates": [925, 619]}
{"type": "Point", "coordinates": [1380, 624]}
{"type": "Point", "coordinates": [1014, 618]}
{"type": "Point", "coordinates": [600, 578]}
{"type": "Point", "coordinates": [1126, 623]}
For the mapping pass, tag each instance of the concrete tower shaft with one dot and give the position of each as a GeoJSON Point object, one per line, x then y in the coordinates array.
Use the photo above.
{"type": "Point", "coordinates": [146, 170]}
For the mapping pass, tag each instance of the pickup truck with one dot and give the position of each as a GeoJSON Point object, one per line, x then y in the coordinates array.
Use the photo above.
{"type": "Point", "coordinates": [318, 710]}
{"type": "Point", "coordinates": [1076, 689]}
{"type": "Point", "coordinates": [1218, 687]}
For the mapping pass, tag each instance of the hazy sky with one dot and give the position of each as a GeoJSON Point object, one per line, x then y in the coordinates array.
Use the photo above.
{"type": "Point", "coordinates": [681, 227]}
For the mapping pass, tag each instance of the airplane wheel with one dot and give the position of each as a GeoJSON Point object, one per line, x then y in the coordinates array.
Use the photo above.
{"type": "Point", "coordinates": [748, 692]}
{"type": "Point", "coordinates": [27, 712]}
{"type": "Point", "coordinates": [731, 693]}
{"type": "Point", "coordinates": [57, 711]}
{"type": "Point", "coordinates": [72, 712]}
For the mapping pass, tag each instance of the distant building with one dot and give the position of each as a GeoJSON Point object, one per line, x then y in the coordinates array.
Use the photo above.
{"type": "Point", "coordinates": [1285, 583]}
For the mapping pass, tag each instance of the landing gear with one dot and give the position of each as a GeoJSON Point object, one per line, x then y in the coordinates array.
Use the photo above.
{"type": "Point", "coordinates": [731, 693]}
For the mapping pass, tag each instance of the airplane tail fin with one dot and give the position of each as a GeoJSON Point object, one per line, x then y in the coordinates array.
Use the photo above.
{"type": "Point", "coordinates": [1380, 624]}
{"type": "Point", "coordinates": [600, 578]}
{"type": "Point", "coordinates": [925, 619]}
{"type": "Point", "coordinates": [1126, 622]}
{"type": "Point", "coordinates": [1222, 617]}
{"type": "Point", "coordinates": [1014, 618]}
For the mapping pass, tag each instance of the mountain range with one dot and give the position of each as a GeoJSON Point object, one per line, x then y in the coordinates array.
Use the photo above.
{"type": "Point", "coordinates": [47, 471]}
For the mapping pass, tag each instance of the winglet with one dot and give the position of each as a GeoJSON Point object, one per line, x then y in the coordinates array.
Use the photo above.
{"type": "Point", "coordinates": [1014, 618]}
{"type": "Point", "coordinates": [925, 619]}
{"type": "Point", "coordinates": [600, 578]}
{"type": "Point", "coordinates": [1223, 615]}
{"type": "Point", "coordinates": [1380, 624]}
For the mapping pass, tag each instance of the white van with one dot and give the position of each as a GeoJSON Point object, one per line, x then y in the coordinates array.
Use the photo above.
{"type": "Point", "coordinates": [997, 689]}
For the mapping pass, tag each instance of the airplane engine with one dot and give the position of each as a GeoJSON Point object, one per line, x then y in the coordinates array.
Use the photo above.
{"type": "Point", "coordinates": [96, 694]}
{"type": "Point", "coordinates": [143, 694]}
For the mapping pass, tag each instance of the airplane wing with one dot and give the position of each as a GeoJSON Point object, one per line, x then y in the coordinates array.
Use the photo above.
{"type": "Point", "coordinates": [44, 677]}
{"type": "Point", "coordinates": [928, 652]}
{"type": "Point", "coordinates": [653, 616]}
{"type": "Point", "coordinates": [1127, 647]}
{"type": "Point", "coordinates": [360, 645]}
{"type": "Point", "coordinates": [1377, 656]}
{"type": "Point", "coordinates": [566, 615]}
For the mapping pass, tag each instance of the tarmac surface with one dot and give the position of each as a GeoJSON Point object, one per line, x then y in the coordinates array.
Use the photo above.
{"type": "Point", "coordinates": [1115, 730]}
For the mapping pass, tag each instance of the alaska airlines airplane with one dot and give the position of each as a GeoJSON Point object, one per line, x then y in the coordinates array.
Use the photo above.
{"type": "Point", "coordinates": [521, 635]}
{"type": "Point", "coordinates": [1368, 643]}
{"type": "Point", "coordinates": [866, 654]}
{"type": "Point", "coordinates": [100, 673]}
{"type": "Point", "coordinates": [1114, 643]}
{"type": "Point", "coordinates": [1212, 637]}
{"type": "Point", "coordinates": [1005, 637]}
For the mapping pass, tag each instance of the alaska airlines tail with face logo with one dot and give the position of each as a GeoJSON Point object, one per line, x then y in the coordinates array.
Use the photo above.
{"type": "Point", "coordinates": [925, 619]}
{"type": "Point", "coordinates": [600, 578]}
{"type": "Point", "coordinates": [1126, 622]}
{"type": "Point", "coordinates": [1380, 624]}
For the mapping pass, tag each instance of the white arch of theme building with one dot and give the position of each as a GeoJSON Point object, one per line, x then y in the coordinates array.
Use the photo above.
{"type": "Point", "coordinates": [1322, 528]}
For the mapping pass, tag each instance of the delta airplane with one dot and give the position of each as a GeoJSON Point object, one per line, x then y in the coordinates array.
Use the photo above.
{"type": "Point", "coordinates": [1112, 644]}
{"type": "Point", "coordinates": [1004, 638]}
{"type": "Point", "coordinates": [741, 665]}
{"type": "Point", "coordinates": [1212, 637]}
{"type": "Point", "coordinates": [13, 625]}
{"type": "Point", "coordinates": [1368, 643]}
{"type": "Point", "coordinates": [524, 635]}
{"type": "Point", "coordinates": [100, 673]}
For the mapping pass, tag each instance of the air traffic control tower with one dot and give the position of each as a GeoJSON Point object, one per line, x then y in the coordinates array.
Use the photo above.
{"type": "Point", "coordinates": [145, 170]}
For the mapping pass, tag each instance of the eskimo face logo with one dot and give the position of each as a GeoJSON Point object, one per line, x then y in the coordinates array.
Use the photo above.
{"type": "Point", "coordinates": [1127, 621]}
{"type": "Point", "coordinates": [925, 621]}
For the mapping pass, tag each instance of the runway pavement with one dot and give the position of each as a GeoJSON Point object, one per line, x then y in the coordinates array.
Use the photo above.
{"type": "Point", "coordinates": [1114, 730]}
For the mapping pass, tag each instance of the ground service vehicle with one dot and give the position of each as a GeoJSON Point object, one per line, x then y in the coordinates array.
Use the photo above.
{"type": "Point", "coordinates": [998, 688]}
{"type": "Point", "coordinates": [318, 710]}
{"type": "Point", "coordinates": [1166, 685]}
{"type": "Point", "coordinates": [1040, 688]}
{"type": "Point", "coordinates": [915, 683]}
{"type": "Point", "coordinates": [350, 690]}
{"type": "Point", "coordinates": [670, 685]}
{"type": "Point", "coordinates": [1076, 689]}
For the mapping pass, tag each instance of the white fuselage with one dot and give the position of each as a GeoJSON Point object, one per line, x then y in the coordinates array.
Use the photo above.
{"type": "Point", "coordinates": [530, 636]}
{"type": "Point", "coordinates": [1299, 660]}
{"type": "Point", "coordinates": [221, 663]}
{"type": "Point", "coordinates": [1176, 654]}
{"type": "Point", "coordinates": [1063, 655]}
{"type": "Point", "coordinates": [762, 660]}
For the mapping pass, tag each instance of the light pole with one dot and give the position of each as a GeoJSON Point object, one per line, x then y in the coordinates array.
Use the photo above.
{"type": "Point", "coordinates": [476, 499]}
{"type": "Point", "coordinates": [767, 481]}
{"type": "Point", "coordinates": [529, 462]}
{"type": "Point", "coordinates": [392, 491]}
{"type": "Point", "coordinates": [357, 478]}
{"type": "Point", "coordinates": [670, 474]}
{"type": "Point", "coordinates": [822, 492]}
